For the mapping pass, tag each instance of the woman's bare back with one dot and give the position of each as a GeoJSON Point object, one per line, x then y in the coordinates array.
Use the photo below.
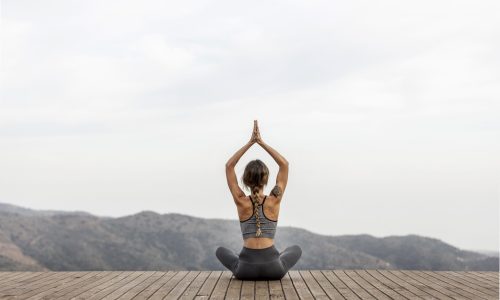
{"type": "Point", "coordinates": [271, 210]}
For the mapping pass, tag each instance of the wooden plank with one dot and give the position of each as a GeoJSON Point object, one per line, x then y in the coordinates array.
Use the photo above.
{"type": "Point", "coordinates": [247, 290]}
{"type": "Point", "coordinates": [27, 277]}
{"type": "Point", "coordinates": [456, 286]}
{"type": "Point", "coordinates": [474, 280]}
{"type": "Point", "coordinates": [120, 289]}
{"type": "Point", "coordinates": [134, 287]}
{"type": "Point", "coordinates": [208, 286]}
{"type": "Point", "coordinates": [288, 288]}
{"type": "Point", "coordinates": [343, 289]}
{"type": "Point", "coordinates": [220, 289]}
{"type": "Point", "coordinates": [483, 277]}
{"type": "Point", "coordinates": [195, 286]}
{"type": "Point", "coordinates": [300, 286]}
{"type": "Point", "coordinates": [415, 290]}
{"type": "Point", "coordinates": [6, 276]}
{"type": "Point", "coordinates": [356, 288]}
{"type": "Point", "coordinates": [396, 285]}
{"type": "Point", "coordinates": [432, 289]}
{"type": "Point", "coordinates": [43, 277]}
{"type": "Point", "coordinates": [131, 293]}
{"type": "Point", "coordinates": [261, 290]}
{"type": "Point", "coordinates": [97, 289]}
{"type": "Point", "coordinates": [169, 285]}
{"type": "Point", "coordinates": [38, 275]}
{"type": "Point", "coordinates": [453, 276]}
{"type": "Point", "coordinates": [41, 285]}
{"type": "Point", "coordinates": [23, 276]}
{"type": "Point", "coordinates": [66, 283]}
{"type": "Point", "coordinates": [371, 289]}
{"type": "Point", "coordinates": [296, 284]}
{"type": "Point", "coordinates": [152, 288]}
{"type": "Point", "coordinates": [179, 288]}
{"type": "Point", "coordinates": [234, 288]}
{"type": "Point", "coordinates": [276, 290]}
{"type": "Point", "coordinates": [326, 285]}
{"type": "Point", "coordinates": [116, 286]}
{"type": "Point", "coordinates": [491, 274]}
{"type": "Point", "coordinates": [453, 291]}
{"type": "Point", "coordinates": [316, 289]}
{"type": "Point", "coordinates": [38, 283]}
{"type": "Point", "coordinates": [70, 292]}
{"type": "Point", "coordinates": [480, 277]}
{"type": "Point", "coordinates": [379, 285]}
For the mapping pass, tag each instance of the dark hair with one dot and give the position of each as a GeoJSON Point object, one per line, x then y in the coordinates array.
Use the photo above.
{"type": "Point", "coordinates": [255, 177]}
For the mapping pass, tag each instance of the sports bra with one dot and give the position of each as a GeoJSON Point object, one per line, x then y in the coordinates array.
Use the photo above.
{"type": "Point", "coordinates": [267, 226]}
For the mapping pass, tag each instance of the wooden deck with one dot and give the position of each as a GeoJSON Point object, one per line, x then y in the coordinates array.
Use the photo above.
{"type": "Point", "coordinates": [297, 284]}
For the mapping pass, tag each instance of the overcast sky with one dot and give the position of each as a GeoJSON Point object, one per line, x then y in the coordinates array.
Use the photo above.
{"type": "Point", "coordinates": [388, 111]}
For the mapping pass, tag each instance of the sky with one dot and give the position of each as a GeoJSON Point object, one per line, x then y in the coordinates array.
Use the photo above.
{"type": "Point", "coordinates": [388, 111]}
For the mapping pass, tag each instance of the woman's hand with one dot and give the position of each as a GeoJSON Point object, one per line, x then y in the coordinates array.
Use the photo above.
{"type": "Point", "coordinates": [256, 138]}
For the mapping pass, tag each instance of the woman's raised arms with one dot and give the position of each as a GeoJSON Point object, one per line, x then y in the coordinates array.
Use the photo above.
{"type": "Point", "coordinates": [282, 178]}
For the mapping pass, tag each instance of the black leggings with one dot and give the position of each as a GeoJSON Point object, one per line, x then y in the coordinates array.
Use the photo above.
{"type": "Point", "coordinates": [259, 264]}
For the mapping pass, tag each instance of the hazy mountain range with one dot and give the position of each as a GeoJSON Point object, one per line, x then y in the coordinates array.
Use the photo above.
{"type": "Point", "coordinates": [57, 240]}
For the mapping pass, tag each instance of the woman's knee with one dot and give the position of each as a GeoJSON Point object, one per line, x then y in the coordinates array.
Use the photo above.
{"type": "Point", "coordinates": [290, 256]}
{"type": "Point", "coordinates": [222, 252]}
{"type": "Point", "coordinates": [295, 249]}
{"type": "Point", "coordinates": [218, 251]}
{"type": "Point", "coordinates": [227, 258]}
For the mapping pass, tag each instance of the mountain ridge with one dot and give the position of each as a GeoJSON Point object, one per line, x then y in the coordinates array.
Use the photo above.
{"type": "Point", "coordinates": [147, 240]}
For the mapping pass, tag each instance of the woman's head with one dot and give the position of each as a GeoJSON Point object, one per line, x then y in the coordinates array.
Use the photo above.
{"type": "Point", "coordinates": [255, 175]}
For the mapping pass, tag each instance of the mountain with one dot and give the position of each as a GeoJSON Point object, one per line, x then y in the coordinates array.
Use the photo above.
{"type": "Point", "coordinates": [52, 240]}
{"type": "Point", "coordinates": [486, 252]}
{"type": "Point", "coordinates": [5, 207]}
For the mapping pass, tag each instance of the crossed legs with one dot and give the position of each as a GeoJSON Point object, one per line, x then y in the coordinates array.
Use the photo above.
{"type": "Point", "coordinates": [276, 269]}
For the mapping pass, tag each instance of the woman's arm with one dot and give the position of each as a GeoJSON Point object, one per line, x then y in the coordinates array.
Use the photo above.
{"type": "Point", "coordinates": [282, 178]}
{"type": "Point", "coordinates": [232, 181]}
{"type": "Point", "coordinates": [280, 160]}
{"type": "Point", "coordinates": [236, 157]}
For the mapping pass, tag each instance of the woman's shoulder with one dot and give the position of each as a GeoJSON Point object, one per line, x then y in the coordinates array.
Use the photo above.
{"type": "Point", "coordinates": [272, 200]}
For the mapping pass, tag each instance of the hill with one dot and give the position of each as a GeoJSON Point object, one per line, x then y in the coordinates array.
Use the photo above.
{"type": "Point", "coordinates": [66, 241]}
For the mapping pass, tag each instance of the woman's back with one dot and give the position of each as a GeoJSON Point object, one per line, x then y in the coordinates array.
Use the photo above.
{"type": "Point", "coordinates": [268, 212]}
{"type": "Point", "coordinates": [258, 220]}
{"type": "Point", "coordinates": [270, 206]}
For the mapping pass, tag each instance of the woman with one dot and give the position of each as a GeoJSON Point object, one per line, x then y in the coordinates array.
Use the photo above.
{"type": "Point", "coordinates": [258, 215]}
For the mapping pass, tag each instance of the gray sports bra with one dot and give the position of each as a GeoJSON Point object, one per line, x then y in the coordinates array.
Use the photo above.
{"type": "Point", "coordinates": [267, 226]}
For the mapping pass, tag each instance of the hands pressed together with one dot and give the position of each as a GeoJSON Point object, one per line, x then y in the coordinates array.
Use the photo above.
{"type": "Point", "coordinates": [256, 138]}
